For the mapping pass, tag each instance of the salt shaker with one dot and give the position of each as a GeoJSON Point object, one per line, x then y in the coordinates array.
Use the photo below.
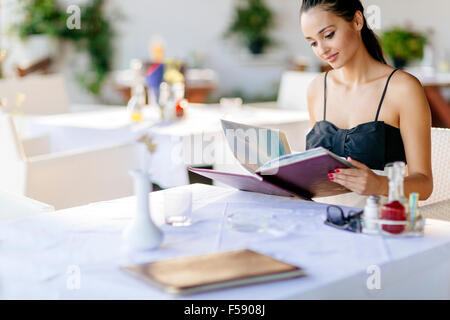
{"type": "Point", "coordinates": [371, 214]}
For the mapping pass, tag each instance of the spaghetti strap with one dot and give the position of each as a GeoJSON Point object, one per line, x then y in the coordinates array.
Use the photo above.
{"type": "Point", "coordinates": [384, 93]}
{"type": "Point", "coordinates": [325, 96]}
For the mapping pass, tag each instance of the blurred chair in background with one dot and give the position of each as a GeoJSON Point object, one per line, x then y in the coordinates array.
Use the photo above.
{"type": "Point", "coordinates": [37, 94]}
{"type": "Point", "coordinates": [42, 66]}
{"type": "Point", "coordinates": [440, 108]}
{"type": "Point", "coordinates": [200, 83]}
{"type": "Point", "coordinates": [65, 179]}
{"type": "Point", "coordinates": [292, 91]}
{"type": "Point", "coordinates": [293, 88]}
{"type": "Point", "coordinates": [292, 95]}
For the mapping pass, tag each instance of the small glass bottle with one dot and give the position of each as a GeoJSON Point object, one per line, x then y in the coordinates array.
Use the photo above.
{"type": "Point", "coordinates": [396, 208]}
{"type": "Point", "coordinates": [371, 210]}
{"type": "Point", "coordinates": [137, 101]}
{"type": "Point", "coordinates": [178, 93]}
{"type": "Point", "coordinates": [166, 102]}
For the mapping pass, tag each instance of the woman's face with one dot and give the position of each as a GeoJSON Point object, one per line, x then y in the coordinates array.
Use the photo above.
{"type": "Point", "coordinates": [333, 39]}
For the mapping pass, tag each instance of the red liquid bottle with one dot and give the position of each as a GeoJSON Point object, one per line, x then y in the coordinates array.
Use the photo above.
{"type": "Point", "coordinates": [178, 93]}
{"type": "Point", "coordinates": [396, 208]}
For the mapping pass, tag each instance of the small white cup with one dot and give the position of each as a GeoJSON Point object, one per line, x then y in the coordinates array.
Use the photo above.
{"type": "Point", "coordinates": [178, 207]}
{"type": "Point", "coordinates": [231, 103]}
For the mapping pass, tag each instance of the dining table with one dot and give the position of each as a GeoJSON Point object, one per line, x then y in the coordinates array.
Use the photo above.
{"type": "Point", "coordinates": [78, 253]}
{"type": "Point", "coordinates": [196, 139]}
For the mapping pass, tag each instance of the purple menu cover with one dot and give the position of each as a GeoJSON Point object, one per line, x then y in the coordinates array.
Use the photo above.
{"type": "Point", "coordinates": [247, 183]}
{"type": "Point", "coordinates": [309, 174]}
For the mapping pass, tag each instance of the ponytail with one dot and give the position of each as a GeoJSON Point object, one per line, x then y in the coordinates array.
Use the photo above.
{"type": "Point", "coordinates": [346, 9]}
{"type": "Point", "coordinates": [372, 44]}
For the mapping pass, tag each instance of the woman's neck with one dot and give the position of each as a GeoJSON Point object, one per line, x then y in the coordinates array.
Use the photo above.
{"type": "Point", "coordinates": [358, 69]}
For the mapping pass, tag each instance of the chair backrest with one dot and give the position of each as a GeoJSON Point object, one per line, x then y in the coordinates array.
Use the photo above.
{"type": "Point", "coordinates": [12, 157]}
{"type": "Point", "coordinates": [10, 146]}
{"type": "Point", "coordinates": [40, 94]}
{"type": "Point", "coordinates": [439, 210]}
{"type": "Point", "coordinates": [16, 206]}
{"type": "Point", "coordinates": [440, 157]}
{"type": "Point", "coordinates": [293, 87]}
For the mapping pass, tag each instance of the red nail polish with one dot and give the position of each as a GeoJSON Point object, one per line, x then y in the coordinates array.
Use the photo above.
{"type": "Point", "coordinates": [337, 170]}
{"type": "Point", "coordinates": [331, 179]}
{"type": "Point", "coordinates": [330, 175]}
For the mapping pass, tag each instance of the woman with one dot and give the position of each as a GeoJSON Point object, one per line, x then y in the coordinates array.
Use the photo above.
{"type": "Point", "coordinates": [363, 109]}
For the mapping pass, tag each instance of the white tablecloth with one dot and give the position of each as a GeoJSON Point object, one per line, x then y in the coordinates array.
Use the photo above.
{"type": "Point", "coordinates": [179, 144]}
{"type": "Point", "coordinates": [41, 255]}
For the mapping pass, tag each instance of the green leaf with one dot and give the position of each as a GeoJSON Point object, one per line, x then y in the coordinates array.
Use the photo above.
{"type": "Point", "coordinates": [252, 22]}
{"type": "Point", "coordinates": [95, 36]}
{"type": "Point", "coordinates": [403, 44]}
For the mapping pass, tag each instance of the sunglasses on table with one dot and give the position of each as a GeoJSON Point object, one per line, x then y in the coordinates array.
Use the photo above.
{"type": "Point", "coordinates": [349, 222]}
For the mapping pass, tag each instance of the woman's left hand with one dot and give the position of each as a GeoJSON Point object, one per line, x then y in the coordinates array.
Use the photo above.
{"type": "Point", "coordinates": [362, 180]}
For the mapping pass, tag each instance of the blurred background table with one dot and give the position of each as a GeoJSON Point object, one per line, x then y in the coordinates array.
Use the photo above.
{"type": "Point", "coordinates": [199, 83]}
{"type": "Point", "coordinates": [195, 140]}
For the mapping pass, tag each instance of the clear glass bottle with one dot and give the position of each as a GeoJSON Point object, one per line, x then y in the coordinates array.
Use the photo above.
{"type": "Point", "coordinates": [178, 93]}
{"type": "Point", "coordinates": [399, 177]}
{"type": "Point", "coordinates": [397, 207]}
{"type": "Point", "coordinates": [166, 102]}
{"type": "Point", "coordinates": [137, 101]}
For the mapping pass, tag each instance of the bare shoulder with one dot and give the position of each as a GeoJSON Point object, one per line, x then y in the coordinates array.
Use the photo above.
{"type": "Point", "coordinates": [405, 83]}
{"type": "Point", "coordinates": [315, 96]}
{"type": "Point", "coordinates": [316, 85]}
{"type": "Point", "coordinates": [407, 91]}
{"type": "Point", "coordinates": [315, 88]}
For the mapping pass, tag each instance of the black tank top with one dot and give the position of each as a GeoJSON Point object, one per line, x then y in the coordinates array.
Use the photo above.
{"type": "Point", "coordinates": [373, 143]}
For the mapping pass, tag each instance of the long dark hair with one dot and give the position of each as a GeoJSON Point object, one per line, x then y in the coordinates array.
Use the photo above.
{"type": "Point", "coordinates": [346, 9]}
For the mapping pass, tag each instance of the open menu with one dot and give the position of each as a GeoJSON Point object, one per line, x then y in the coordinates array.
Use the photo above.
{"type": "Point", "coordinates": [273, 168]}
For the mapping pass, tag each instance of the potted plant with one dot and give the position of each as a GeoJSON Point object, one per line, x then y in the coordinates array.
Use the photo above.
{"type": "Point", "coordinates": [41, 25]}
{"type": "Point", "coordinates": [403, 46]}
{"type": "Point", "coordinates": [251, 24]}
{"type": "Point", "coordinates": [44, 19]}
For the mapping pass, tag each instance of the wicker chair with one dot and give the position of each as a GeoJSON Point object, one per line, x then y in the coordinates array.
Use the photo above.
{"type": "Point", "coordinates": [437, 206]}
{"type": "Point", "coordinates": [439, 210]}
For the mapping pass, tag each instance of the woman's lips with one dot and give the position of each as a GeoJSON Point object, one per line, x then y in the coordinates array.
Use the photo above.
{"type": "Point", "coordinates": [333, 57]}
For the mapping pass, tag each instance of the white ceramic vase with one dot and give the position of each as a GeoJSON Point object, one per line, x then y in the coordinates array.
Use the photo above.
{"type": "Point", "coordinates": [34, 48]}
{"type": "Point", "coordinates": [142, 233]}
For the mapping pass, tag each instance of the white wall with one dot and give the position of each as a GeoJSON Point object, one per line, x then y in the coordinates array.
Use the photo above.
{"type": "Point", "coordinates": [422, 15]}
{"type": "Point", "coordinates": [197, 26]}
